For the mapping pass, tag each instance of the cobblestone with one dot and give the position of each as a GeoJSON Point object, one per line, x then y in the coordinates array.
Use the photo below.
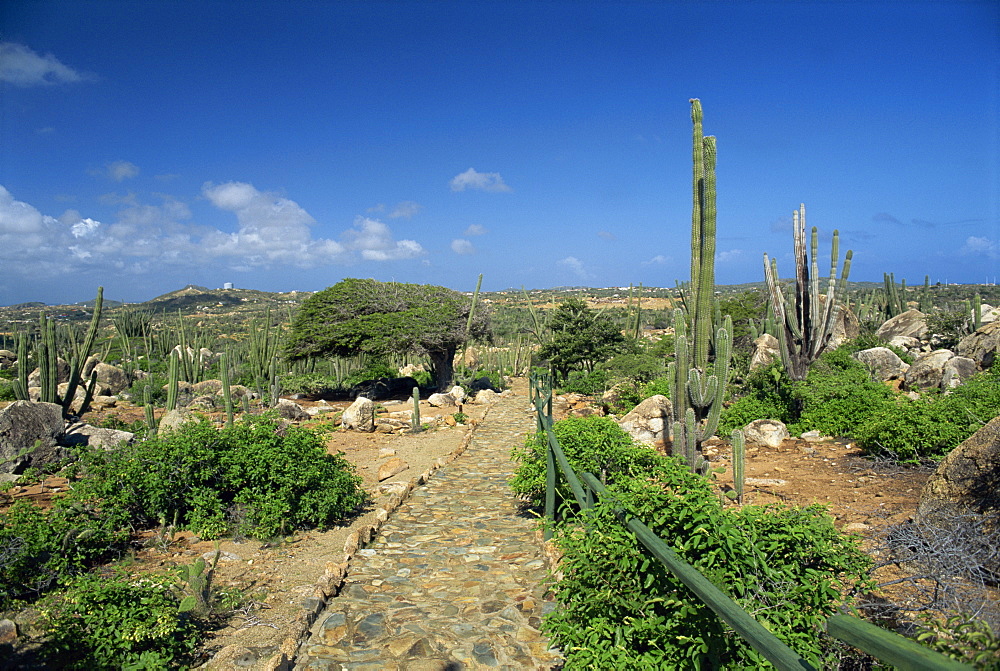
{"type": "Point", "coordinates": [455, 579]}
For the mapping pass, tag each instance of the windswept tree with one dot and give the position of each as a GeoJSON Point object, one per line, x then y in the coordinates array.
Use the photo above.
{"type": "Point", "coordinates": [382, 318]}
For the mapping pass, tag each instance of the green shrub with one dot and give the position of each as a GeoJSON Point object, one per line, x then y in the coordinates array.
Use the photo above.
{"type": "Point", "coordinates": [593, 383]}
{"type": "Point", "coordinates": [620, 608]}
{"type": "Point", "coordinates": [156, 382]}
{"type": "Point", "coordinates": [370, 371]}
{"type": "Point", "coordinates": [594, 444]}
{"type": "Point", "coordinates": [838, 396]}
{"type": "Point", "coordinates": [7, 391]}
{"type": "Point", "coordinates": [934, 424]}
{"type": "Point", "coordinates": [256, 474]}
{"type": "Point", "coordinates": [307, 383]}
{"type": "Point", "coordinates": [114, 623]}
{"type": "Point", "coordinates": [39, 546]}
{"type": "Point", "coordinates": [766, 394]}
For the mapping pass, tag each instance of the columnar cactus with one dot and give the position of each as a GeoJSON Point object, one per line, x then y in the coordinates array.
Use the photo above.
{"type": "Point", "coordinates": [805, 326]}
{"type": "Point", "coordinates": [697, 395]}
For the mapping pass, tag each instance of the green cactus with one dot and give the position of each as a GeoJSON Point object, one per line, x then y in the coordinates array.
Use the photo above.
{"type": "Point", "coordinates": [227, 394]}
{"type": "Point", "coordinates": [20, 384]}
{"type": "Point", "coordinates": [415, 417]}
{"type": "Point", "coordinates": [197, 585]}
{"type": "Point", "coordinates": [172, 381]}
{"type": "Point", "coordinates": [738, 443]}
{"type": "Point", "coordinates": [806, 324]}
{"type": "Point", "coordinates": [147, 405]}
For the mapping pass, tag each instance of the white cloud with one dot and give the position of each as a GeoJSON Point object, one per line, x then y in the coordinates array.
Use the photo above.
{"type": "Point", "coordinates": [659, 259]}
{"type": "Point", "coordinates": [606, 235]}
{"type": "Point", "coordinates": [464, 247]}
{"type": "Point", "coordinates": [84, 228]}
{"type": "Point", "coordinates": [981, 246]}
{"type": "Point", "coordinates": [117, 171]}
{"type": "Point", "coordinates": [373, 240]}
{"type": "Point", "coordinates": [731, 255]}
{"type": "Point", "coordinates": [21, 66]}
{"type": "Point", "coordinates": [484, 181]}
{"type": "Point", "coordinates": [406, 209]}
{"type": "Point", "coordinates": [575, 266]}
{"type": "Point", "coordinates": [475, 229]}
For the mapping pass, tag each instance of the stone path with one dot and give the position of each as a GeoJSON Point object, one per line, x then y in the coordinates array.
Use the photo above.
{"type": "Point", "coordinates": [454, 580]}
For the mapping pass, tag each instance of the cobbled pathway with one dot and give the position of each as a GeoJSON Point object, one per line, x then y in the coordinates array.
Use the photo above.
{"type": "Point", "coordinates": [455, 579]}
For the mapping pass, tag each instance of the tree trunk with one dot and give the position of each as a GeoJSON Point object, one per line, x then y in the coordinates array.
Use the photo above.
{"type": "Point", "coordinates": [443, 369]}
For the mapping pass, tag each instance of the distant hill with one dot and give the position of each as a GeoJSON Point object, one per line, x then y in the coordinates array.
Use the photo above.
{"type": "Point", "coordinates": [193, 297]}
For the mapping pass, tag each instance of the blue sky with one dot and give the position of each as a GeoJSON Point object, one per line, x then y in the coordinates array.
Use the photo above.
{"type": "Point", "coordinates": [287, 145]}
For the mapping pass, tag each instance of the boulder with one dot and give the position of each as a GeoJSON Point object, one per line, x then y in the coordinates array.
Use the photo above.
{"type": "Point", "coordinates": [964, 491]}
{"type": "Point", "coordinates": [206, 387]}
{"type": "Point", "coordinates": [383, 388]}
{"type": "Point", "coordinates": [105, 439]}
{"type": "Point", "coordinates": [766, 350]}
{"type": "Point", "coordinates": [62, 374]}
{"type": "Point", "coordinates": [457, 393]}
{"type": "Point", "coordinates": [988, 314]}
{"type": "Point", "coordinates": [409, 369]}
{"type": "Point", "coordinates": [441, 400]}
{"type": "Point", "coordinates": [485, 397]}
{"type": "Point", "coordinates": [907, 343]}
{"type": "Point", "coordinates": [768, 432]}
{"type": "Point", "coordinates": [360, 416]}
{"type": "Point", "coordinates": [912, 323]}
{"type": "Point", "coordinates": [29, 435]}
{"type": "Point", "coordinates": [883, 363]}
{"type": "Point", "coordinates": [111, 377]}
{"type": "Point", "coordinates": [982, 346]}
{"type": "Point", "coordinates": [846, 327]}
{"type": "Point", "coordinates": [78, 396]}
{"type": "Point", "coordinates": [649, 422]}
{"type": "Point", "coordinates": [928, 371]}
{"type": "Point", "coordinates": [957, 370]}
{"type": "Point", "coordinates": [174, 419]}
{"type": "Point", "coordinates": [8, 359]}
{"type": "Point", "coordinates": [392, 467]}
{"type": "Point", "coordinates": [291, 410]}
{"type": "Point", "coordinates": [203, 402]}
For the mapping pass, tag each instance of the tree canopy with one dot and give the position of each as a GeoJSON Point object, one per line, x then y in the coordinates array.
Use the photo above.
{"type": "Point", "coordinates": [381, 318]}
{"type": "Point", "coordinates": [581, 338]}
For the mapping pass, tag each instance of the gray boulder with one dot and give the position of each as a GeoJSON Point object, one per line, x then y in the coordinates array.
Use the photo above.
{"type": "Point", "coordinates": [927, 372]}
{"type": "Point", "coordinates": [291, 410]}
{"type": "Point", "coordinates": [62, 374]}
{"type": "Point", "coordinates": [649, 422]}
{"type": "Point", "coordinates": [360, 416]}
{"type": "Point", "coordinates": [768, 432]}
{"type": "Point", "coordinates": [964, 491]}
{"type": "Point", "coordinates": [485, 397]}
{"type": "Point", "coordinates": [105, 439]}
{"type": "Point", "coordinates": [29, 435]}
{"type": "Point", "coordinates": [912, 323]}
{"type": "Point", "coordinates": [957, 370]}
{"type": "Point", "coordinates": [111, 377]}
{"type": "Point", "coordinates": [441, 400]}
{"type": "Point", "coordinates": [883, 363]}
{"type": "Point", "coordinates": [8, 359]}
{"type": "Point", "coordinates": [206, 387]}
{"type": "Point", "coordinates": [982, 346]}
{"type": "Point", "coordinates": [175, 419]}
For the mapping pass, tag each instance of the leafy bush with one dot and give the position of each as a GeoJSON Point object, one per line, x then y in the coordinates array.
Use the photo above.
{"type": "Point", "coordinates": [38, 546]}
{"type": "Point", "coordinates": [7, 391]}
{"type": "Point", "coordinates": [620, 608]}
{"type": "Point", "coordinates": [156, 383]}
{"type": "Point", "coordinates": [307, 383]}
{"type": "Point", "coordinates": [594, 444]}
{"type": "Point", "coordinates": [766, 394]}
{"type": "Point", "coordinates": [257, 474]}
{"type": "Point", "coordinates": [591, 383]}
{"type": "Point", "coordinates": [371, 370]}
{"type": "Point", "coordinates": [838, 396]}
{"type": "Point", "coordinates": [113, 623]}
{"type": "Point", "coordinates": [934, 424]}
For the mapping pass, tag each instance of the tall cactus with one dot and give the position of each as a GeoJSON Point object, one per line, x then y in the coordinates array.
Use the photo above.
{"type": "Point", "coordinates": [806, 324]}
{"type": "Point", "coordinates": [697, 395]}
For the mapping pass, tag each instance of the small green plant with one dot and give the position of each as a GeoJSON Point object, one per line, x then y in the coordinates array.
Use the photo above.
{"type": "Point", "coordinates": [962, 637]}
{"type": "Point", "coordinates": [117, 623]}
{"type": "Point", "coordinates": [460, 418]}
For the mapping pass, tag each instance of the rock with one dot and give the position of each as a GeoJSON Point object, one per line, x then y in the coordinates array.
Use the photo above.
{"type": "Point", "coordinates": [360, 416]}
{"type": "Point", "coordinates": [815, 436]}
{"type": "Point", "coordinates": [485, 397]}
{"type": "Point", "coordinates": [441, 400]}
{"type": "Point", "coordinates": [928, 370]}
{"type": "Point", "coordinates": [111, 377]}
{"type": "Point", "coordinates": [384, 388]}
{"type": "Point", "coordinates": [988, 314]}
{"type": "Point", "coordinates": [78, 396]}
{"type": "Point", "coordinates": [957, 370]}
{"type": "Point", "coordinates": [291, 410]}
{"type": "Point", "coordinates": [390, 425]}
{"type": "Point", "coordinates": [105, 439]}
{"type": "Point", "coordinates": [769, 432]}
{"type": "Point", "coordinates": [911, 323]}
{"type": "Point", "coordinates": [174, 419]}
{"type": "Point", "coordinates": [206, 387]}
{"type": "Point", "coordinates": [649, 422]}
{"type": "Point", "coordinates": [238, 391]}
{"type": "Point", "coordinates": [409, 369]}
{"type": "Point", "coordinates": [62, 374]}
{"type": "Point", "coordinates": [99, 402]}
{"type": "Point", "coordinates": [204, 402]}
{"type": "Point", "coordinates": [481, 383]}
{"type": "Point", "coordinates": [8, 359]}
{"type": "Point", "coordinates": [907, 343]}
{"type": "Point", "coordinates": [766, 350]}
{"type": "Point", "coordinates": [964, 491]}
{"type": "Point", "coordinates": [390, 468]}
{"type": "Point", "coordinates": [983, 345]}
{"type": "Point", "coordinates": [846, 327]}
{"type": "Point", "coordinates": [457, 393]}
{"type": "Point", "coordinates": [856, 528]}
{"type": "Point", "coordinates": [29, 435]}
{"type": "Point", "coordinates": [883, 363]}
{"type": "Point", "coordinates": [8, 632]}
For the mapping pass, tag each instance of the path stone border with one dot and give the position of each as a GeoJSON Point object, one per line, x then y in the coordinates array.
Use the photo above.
{"type": "Point", "coordinates": [335, 573]}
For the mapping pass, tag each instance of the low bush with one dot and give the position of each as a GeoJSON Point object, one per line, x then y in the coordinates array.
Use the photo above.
{"type": "Point", "coordinates": [256, 474]}
{"type": "Point", "coordinates": [766, 394]}
{"type": "Point", "coordinates": [620, 608]}
{"type": "Point", "coordinates": [594, 444]}
{"type": "Point", "coordinates": [114, 623]}
{"type": "Point", "coordinates": [307, 383]}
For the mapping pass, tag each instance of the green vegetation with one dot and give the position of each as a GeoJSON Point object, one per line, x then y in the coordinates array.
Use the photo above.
{"type": "Point", "coordinates": [580, 339]}
{"type": "Point", "coordinates": [383, 318]}
{"type": "Point", "coordinates": [619, 608]}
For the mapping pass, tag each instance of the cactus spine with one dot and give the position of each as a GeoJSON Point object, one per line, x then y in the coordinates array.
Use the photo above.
{"type": "Point", "coordinates": [697, 395]}
{"type": "Point", "coordinates": [805, 326]}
